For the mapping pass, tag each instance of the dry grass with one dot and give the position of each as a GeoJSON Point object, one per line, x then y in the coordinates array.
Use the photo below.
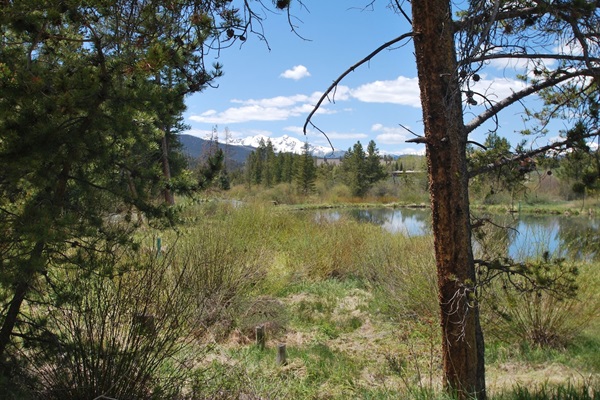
{"type": "Point", "coordinates": [356, 307]}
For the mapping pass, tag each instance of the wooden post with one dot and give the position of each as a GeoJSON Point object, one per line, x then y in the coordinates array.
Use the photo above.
{"type": "Point", "coordinates": [260, 337]}
{"type": "Point", "coordinates": [281, 354]}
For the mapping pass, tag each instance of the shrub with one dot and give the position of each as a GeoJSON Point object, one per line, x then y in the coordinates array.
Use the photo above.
{"type": "Point", "coordinates": [119, 333]}
{"type": "Point", "coordinates": [552, 315]}
{"type": "Point", "coordinates": [125, 324]}
{"type": "Point", "coordinates": [262, 310]}
{"type": "Point", "coordinates": [338, 194]}
{"type": "Point", "coordinates": [404, 268]}
{"type": "Point", "coordinates": [225, 267]}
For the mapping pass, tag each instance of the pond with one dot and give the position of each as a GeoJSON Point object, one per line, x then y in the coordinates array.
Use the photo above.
{"type": "Point", "coordinates": [517, 236]}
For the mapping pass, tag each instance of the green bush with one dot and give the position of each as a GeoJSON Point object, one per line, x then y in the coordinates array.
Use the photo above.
{"type": "Point", "coordinates": [518, 308]}
{"type": "Point", "coordinates": [404, 269]}
{"type": "Point", "coordinates": [118, 334]}
{"type": "Point", "coordinates": [224, 271]}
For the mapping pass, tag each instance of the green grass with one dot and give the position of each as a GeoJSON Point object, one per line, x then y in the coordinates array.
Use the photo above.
{"type": "Point", "coordinates": [551, 392]}
{"type": "Point", "coordinates": [359, 313]}
{"type": "Point", "coordinates": [315, 267]}
{"type": "Point", "coordinates": [356, 307]}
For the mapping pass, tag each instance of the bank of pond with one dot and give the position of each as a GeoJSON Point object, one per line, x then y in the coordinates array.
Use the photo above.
{"type": "Point", "coordinates": [515, 235]}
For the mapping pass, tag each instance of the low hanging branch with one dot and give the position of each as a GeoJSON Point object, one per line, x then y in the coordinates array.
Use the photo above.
{"type": "Point", "coordinates": [561, 145]}
{"type": "Point", "coordinates": [536, 56]}
{"type": "Point", "coordinates": [342, 76]}
{"type": "Point", "coordinates": [548, 274]}
{"type": "Point", "coordinates": [517, 96]}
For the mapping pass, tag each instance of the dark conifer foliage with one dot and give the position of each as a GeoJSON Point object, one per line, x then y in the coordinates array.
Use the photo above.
{"type": "Point", "coordinates": [91, 99]}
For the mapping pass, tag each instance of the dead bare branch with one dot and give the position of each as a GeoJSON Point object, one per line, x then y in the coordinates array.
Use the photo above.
{"type": "Point", "coordinates": [515, 55]}
{"type": "Point", "coordinates": [348, 71]}
{"type": "Point", "coordinates": [516, 96]}
{"type": "Point", "coordinates": [401, 10]}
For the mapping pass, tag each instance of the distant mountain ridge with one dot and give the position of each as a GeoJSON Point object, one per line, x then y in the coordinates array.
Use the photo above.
{"type": "Point", "coordinates": [239, 149]}
{"type": "Point", "coordinates": [287, 144]}
{"type": "Point", "coordinates": [194, 148]}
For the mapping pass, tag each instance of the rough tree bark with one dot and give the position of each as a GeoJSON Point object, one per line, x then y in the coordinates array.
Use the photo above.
{"type": "Point", "coordinates": [446, 140]}
{"type": "Point", "coordinates": [168, 194]}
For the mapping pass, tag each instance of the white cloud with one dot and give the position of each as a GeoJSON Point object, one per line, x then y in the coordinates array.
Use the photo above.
{"type": "Point", "coordinates": [277, 108]}
{"type": "Point", "coordinates": [209, 113]}
{"type": "Point", "coordinates": [331, 135]}
{"type": "Point", "coordinates": [403, 91]}
{"type": "Point", "coordinates": [305, 109]}
{"type": "Point", "coordinates": [411, 151]}
{"type": "Point", "coordinates": [208, 133]}
{"type": "Point", "coordinates": [391, 138]}
{"type": "Point", "coordinates": [510, 63]}
{"type": "Point", "coordinates": [340, 93]}
{"type": "Point", "coordinates": [347, 135]}
{"type": "Point", "coordinates": [497, 88]}
{"type": "Point", "coordinates": [390, 135]}
{"type": "Point", "coordinates": [278, 101]}
{"type": "Point", "coordinates": [294, 129]}
{"type": "Point", "coordinates": [244, 114]}
{"type": "Point", "coordinates": [296, 73]}
{"type": "Point", "coordinates": [317, 138]}
{"type": "Point", "coordinates": [571, 47]}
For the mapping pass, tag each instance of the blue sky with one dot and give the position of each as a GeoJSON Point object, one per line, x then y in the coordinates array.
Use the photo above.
{"type": "Point", "coordinates": [270, 88]}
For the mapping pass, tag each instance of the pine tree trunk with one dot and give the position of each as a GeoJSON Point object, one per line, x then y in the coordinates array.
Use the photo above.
{"type": "Point", "coordinates": [463, 348]}
{"type": "Point", "coordinates": [168, 194]}
{"type": "Point", "coordinates": [164, 152]}
{"type": "Point", "coordinates": [21, 288]}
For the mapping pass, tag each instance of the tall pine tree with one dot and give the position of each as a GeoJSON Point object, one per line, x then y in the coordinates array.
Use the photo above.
{"type": "Point", "coordinates": [90, 91]}
{"type": "Point", "coordinates": [305, 172]}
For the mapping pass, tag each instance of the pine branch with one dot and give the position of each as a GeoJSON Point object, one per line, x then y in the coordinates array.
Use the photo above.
{"type": "Point", "coordinates": [517, 96]}
{"type": "Point", "coordinates": [562, 145]}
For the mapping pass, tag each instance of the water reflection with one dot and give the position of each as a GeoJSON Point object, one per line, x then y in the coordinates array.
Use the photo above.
{"type": "Point", "coordinates": [406, 221]}
{"type": "Point", "coordinates": [409, 222]}
{"type": "Point", "coordinates": [560, 236]}
{"type": "Point", "coordinates": [515, 236]}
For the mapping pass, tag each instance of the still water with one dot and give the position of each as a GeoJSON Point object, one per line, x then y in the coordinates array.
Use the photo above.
{"type": "Point", "coordinates": [516, 236]}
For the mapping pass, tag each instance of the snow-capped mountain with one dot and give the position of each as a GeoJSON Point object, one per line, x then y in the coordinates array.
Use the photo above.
{"type": "Point", "coordinates": [239, 149]}
{"type": "Point", "coordinates": [287, 144]}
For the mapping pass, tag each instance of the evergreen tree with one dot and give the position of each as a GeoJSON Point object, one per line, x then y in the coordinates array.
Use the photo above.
{"type": "Point", "coordinates": [269, 165]}
{"type": "Point", "coordinates": [509, 177]}
{"type": "Point", "coordinates": [255, 164]}
{"type": "Point", "coordinates": [278, 168]}
{"type": "Point", "coordinates": [354, 170]}
{"type": "Point", "coordinates": [454, 43]}
{"type": "Point", "coordinates": [213, 168]}
{"type": "Point", "coordinates": [287, 167]}
{"type": "Point", "coordinates": [224, 182]}
{"type": "Point", "coordinates": [326, 174]}
{"type": "Point", "coordinates": [211, 164]}
{"type": "Point", "coordinates": [90, 91]}
{"type": "Point", "coordinates": [581, 166]}
{"type": "Point", "coordinates": [374, 170]}
{"type": "Point", "coordinates": [305, 172]}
